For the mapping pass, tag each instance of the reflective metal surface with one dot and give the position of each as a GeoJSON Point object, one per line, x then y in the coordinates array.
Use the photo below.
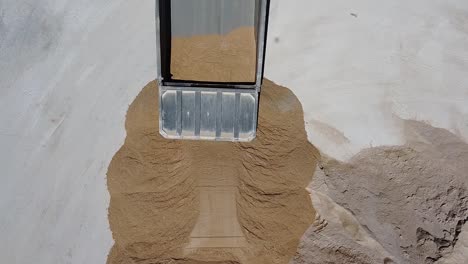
{"type": "Point", "coordinates": [207, 113]}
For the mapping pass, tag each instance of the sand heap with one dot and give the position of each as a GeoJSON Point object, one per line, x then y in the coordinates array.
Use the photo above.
{"type": "Point", "coordinates": [393, 204]}
{"type": "Point", "coordinates": [212, 202]}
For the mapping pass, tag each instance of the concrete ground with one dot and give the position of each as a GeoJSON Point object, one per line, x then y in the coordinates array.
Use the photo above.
{"type": "Point", "coordinates": [69, 70]}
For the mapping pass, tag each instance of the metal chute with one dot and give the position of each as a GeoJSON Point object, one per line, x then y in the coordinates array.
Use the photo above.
{"type": "Point", "coordinates": [216, 98]}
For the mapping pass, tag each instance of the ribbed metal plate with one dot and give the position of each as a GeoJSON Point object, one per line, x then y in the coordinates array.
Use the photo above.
{"type": "Point", "coordinates": [208, 113]}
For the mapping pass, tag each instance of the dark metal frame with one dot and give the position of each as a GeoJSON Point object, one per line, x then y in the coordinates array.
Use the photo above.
{"type": "Point", "coordinates": [164, 38]}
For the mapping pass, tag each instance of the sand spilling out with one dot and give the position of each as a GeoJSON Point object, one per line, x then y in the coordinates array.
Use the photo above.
{"type": "Point", "coordinates": [212, 202]}
{"type": "Point", "coordinates": [215, 58]}
{"type": "Point", "coordinates": [183, 201]}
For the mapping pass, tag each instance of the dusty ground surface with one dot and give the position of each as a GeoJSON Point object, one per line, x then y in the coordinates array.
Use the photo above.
{"type": "Point", "coordinates": [395, 204]}
{"type": "Point", "coordinates": [215, 58]}
{"type": "Point", "coordinates": [69, 70]}
{"type": "Point", "coordinates": [188, 201]}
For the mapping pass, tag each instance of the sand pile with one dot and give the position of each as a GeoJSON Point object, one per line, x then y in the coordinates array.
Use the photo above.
{"type": "Point", "coordinates": [215, 58]}
{"type": "Point", "coordinates": [212, 202]}
{"type": "Point", "coordinates": [393, 204]}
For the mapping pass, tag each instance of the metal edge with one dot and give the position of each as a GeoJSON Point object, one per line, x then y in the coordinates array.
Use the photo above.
{"type": "Point", "coordinates": [248, 139]}
{"type": "Point", "coordinates": [161, 130]}
{"type": "Point", "coordinates": [208, 89]}
{"type": "Point", "coordinates": [209, 85]}
{"type": "Point", "coordinates": [261, 43]}
{"type": "Point", "coordinates": [194, 138]}
{"type": "Point", "coordinates": [158, 43]}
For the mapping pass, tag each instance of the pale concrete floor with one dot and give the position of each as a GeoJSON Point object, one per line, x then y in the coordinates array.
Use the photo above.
{"type": "Point", "coordinates": [84, 61]}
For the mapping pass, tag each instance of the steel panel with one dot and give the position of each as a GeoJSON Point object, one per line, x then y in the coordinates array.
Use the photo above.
{"type": "Point", "coordinates": [209, 114]}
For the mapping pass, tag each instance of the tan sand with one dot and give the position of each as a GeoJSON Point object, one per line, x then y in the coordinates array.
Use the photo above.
{"type": "Point", "coordinates": [411, 200]}
{"type": "Point", "coordinates": [217, 225]}
{"type": "Point", "coordinates": [212, 202]}
{"type": "Point", "coordinates": [167, 195]}
{"type": "Point", "coordinates": [215, 58]}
